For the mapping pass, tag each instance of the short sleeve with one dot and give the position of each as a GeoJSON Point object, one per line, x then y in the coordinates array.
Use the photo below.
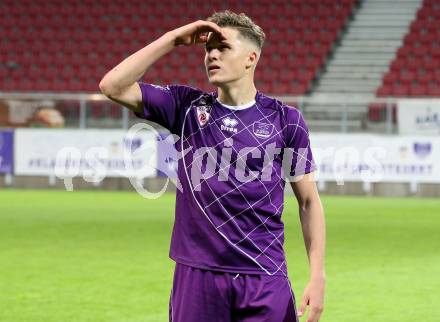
{"type": "Point", "coordinates": [298, 143]}
{"type": "Point", "coordinates": [165, 105]}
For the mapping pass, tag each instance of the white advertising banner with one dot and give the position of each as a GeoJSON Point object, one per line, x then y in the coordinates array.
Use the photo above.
{"type": "Point", "coordinates": [340, 157]}
{"type": "Point", "coordinates": [419, 116]}
{"type": "Point", "coordinates": [88, 153]}
{"type": "Point", "coordinates": [376, 158]}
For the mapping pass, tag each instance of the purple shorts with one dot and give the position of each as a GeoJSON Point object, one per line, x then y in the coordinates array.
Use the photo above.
{"type": "Point", "coordinates": [200, 295]}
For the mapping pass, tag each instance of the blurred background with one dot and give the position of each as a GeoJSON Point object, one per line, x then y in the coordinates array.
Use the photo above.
{"type": "Point", "coordinates": [364, 67]}
{"type": "Point", "coordinates": [366, 76]}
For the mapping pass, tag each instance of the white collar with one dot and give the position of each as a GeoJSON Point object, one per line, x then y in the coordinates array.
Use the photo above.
{"type": "Point", "coordinates": [237, 107]}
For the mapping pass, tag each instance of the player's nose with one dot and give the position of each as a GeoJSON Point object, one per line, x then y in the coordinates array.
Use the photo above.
{"type": "Point", "coordinates": [213, 54]}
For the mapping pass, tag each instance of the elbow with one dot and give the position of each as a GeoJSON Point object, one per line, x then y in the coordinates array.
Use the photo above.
{"type": "Point", "coordinates": [104, 88]}
{"type": "Point", "coordinates": [107, 89]}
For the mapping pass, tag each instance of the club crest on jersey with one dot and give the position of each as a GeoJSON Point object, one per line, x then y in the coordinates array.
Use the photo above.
{"type": "Point", "coordinates": [262, 130]}
{"type": "Point", "coordinates": [229, 124]}
{"type": "Point", "coordinates": [203, 113]}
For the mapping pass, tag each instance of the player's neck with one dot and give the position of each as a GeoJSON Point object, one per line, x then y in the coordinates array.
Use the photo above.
{"type": "Point", "coordinates": [237, 95]}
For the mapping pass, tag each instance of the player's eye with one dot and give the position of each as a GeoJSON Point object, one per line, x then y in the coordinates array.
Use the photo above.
{"type": "Point", "coordinates": [222, 47]}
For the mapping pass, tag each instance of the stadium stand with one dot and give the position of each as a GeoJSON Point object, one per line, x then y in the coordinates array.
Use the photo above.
{"type": "Point", "coordinates": [331, 58]}
{"type": "Point", "coordinates": [415, 70]}
{"type": "Point", "coordinates": [314, 48]}
{"type": "Point", "coordinates": [67, 46]}
{"type": "Point", "coordinates": [359, 62]}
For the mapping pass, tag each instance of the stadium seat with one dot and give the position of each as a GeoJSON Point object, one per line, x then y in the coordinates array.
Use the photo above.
{"type": "Point", "coordinates": [377, 112]}
{"type": "Point", "coordinates": [90, 33]}
{"type": "Point", "coordinates": [418, 56]}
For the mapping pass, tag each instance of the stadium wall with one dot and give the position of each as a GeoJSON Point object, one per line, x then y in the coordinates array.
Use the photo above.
{"type": "Point", "coordinates": [348, 164]}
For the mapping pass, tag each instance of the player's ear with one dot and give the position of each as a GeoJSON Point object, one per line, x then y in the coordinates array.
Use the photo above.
{"type": "Point", "coordinates": [251, 59]}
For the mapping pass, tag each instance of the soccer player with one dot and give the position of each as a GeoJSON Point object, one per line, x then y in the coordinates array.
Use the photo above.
{"type": "Point", "coordinates": [228, 235]}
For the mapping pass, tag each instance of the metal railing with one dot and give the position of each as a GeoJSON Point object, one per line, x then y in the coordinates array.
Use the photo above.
{"type": "Point", "coordinates": [324, 112]}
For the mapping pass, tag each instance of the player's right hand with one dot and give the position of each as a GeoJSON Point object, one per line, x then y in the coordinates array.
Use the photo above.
{"type": "Point", "coordinates": [196, 32]}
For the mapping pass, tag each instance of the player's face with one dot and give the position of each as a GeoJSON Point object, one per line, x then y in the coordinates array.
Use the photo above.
{"type": "Point", "coordinates": [227, 60]}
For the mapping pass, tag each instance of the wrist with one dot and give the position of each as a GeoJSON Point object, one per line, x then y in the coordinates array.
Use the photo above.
{"type": "Point", "coordinates": [172, 38]}
{"type": "Point", "coordinates": [318, 276]}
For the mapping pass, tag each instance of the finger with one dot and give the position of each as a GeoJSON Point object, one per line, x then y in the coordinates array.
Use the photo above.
{"type": "Point", "coordinates": [213, 26]}
{"type": "Point", "coordinates": [311, 317]}
{"type": "Point", "coordinates": [202, 39]}
{"type": "Point", "coordinates": [210, 26]}
{"type": "Point", "coordinates": [221, 34]}
{"type": "Point", "coordinates": [303, 305]}
{"type": "Point", "coordinates": [314, 314]}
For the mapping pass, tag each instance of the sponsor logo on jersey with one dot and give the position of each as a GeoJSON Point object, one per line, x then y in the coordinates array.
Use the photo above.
{"type": "Point", "coordinates": [229, 124]}
{"type": "Point", "coordinates": [262, 130]}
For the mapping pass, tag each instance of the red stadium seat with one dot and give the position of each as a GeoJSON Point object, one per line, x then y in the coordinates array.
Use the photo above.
{"type": "Point", "coordinates": [433, 89]}
{"type": "Point", "coordinates": [407, 77]}
{"type": "Point", "coordinates": [417, 59]}
{"type": "Point", "coordinates": [77, 36]}
{"type": "Point", "coordinates": [375, 111]}
{"type": "Point", "coordinates": [424, 77]}
{"type": "Point", "coordinates": [418, 90]}
{"type": "Point", "coordinates": [384, 90]}
{"type": "Point", "coordinates": [400, 89]}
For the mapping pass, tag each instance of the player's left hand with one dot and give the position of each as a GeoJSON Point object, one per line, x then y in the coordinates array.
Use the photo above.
{"type": "Point", "coordinates": [313, 297]}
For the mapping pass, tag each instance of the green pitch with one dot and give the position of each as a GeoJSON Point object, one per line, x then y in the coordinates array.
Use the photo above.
{"type": "Point", "coordinates": [103, 257]}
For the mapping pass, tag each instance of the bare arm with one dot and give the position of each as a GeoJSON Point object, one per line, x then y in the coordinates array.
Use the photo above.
{"type": "Point", "coordinates": [119, 84]}
{"type": "Point", "coordinates": [313, 227]}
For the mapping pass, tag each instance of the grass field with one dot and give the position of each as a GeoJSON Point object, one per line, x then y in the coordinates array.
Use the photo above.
{"type": "Point", "coordinates": [103, 256]}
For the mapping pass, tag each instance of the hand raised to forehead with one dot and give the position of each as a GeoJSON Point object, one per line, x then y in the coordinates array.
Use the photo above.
{"type": "Point", "coordinates": [196, 32]}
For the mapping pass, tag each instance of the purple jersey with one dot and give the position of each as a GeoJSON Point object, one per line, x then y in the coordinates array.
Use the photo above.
{"type": "Point", "coordinates": [228, 214]}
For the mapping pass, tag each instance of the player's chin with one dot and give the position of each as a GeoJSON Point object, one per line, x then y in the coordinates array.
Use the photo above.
{"type": "Point", "coordinates": [214, 81]}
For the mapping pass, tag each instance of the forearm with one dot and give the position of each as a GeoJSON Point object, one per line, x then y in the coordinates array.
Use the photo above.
{"type": "Point", "coordinates": [313, 227]}
{"type": "Point", "coordinates": [134, 67]}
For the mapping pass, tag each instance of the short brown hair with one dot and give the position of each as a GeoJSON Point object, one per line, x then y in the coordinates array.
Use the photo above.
{"type": "Point", "coordinates": [247, 28]}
